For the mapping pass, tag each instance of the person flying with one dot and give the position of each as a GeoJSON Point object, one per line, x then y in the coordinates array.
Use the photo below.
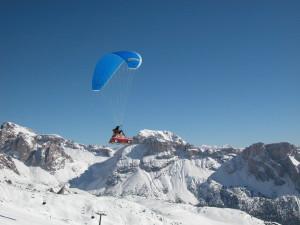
{"type": "Point", "coordinates": [117, 132]}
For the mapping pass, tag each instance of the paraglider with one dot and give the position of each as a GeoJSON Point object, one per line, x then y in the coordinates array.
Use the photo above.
{"type": "Point", "coordinates": [109, 64]}
{"type": "Point", "coordinates": [106, 69]}
{"type": "Point", "coordinates": [119, 136]}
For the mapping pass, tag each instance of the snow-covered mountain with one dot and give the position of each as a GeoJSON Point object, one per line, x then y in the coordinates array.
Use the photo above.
{"type": "Point", "coordinates": [46, 151]}
{"type": "Point", "coordinates": [263, 180]}
{"type": "Point", "coordinates": [46, 159]}
{"type": "Point", "coordinates": [158, 177]}
{"type": "Point", "coordinates": [269, 169]}
{"type": "Point", "coordinates": [160, 165]}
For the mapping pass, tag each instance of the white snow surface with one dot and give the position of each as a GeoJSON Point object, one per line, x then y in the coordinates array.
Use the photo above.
{"type": "Point", "coordinates": [23, 206]}
{"type": "Point", "coordinates": [82, 159]}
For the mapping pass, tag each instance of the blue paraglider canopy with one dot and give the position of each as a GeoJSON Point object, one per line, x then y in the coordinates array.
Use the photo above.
{"type": "Point", "coordinates": [110, 63]}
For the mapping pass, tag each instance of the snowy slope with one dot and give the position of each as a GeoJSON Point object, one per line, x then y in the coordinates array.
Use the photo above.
{"type": "Point", "coordinates": [43, 179]}
{"type": "Point", "coordinates": [24, 207]}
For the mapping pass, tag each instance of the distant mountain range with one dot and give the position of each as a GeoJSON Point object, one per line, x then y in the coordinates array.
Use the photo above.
{"type": "Point", "coordinates": [262, 179]}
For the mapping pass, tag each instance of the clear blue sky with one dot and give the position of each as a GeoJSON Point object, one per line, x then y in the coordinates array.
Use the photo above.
{"type": "Point", "coordinates": [214, 72]}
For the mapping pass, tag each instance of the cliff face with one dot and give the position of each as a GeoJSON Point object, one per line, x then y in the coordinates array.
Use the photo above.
{"type": "Point", "coordinates": [263, 181]}
{"type": "Point", "coordinates": [6, 162]}
{"type": "Point", "coordinates": [271, 170]}
{"type": "Point", "coordinates": [274, 162]}
{"type": "Point", "coordinates": [45, 151]}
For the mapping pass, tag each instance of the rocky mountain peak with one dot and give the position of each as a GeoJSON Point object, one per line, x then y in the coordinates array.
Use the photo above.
{"type": "Point", "coordinates": [11, 128]}
{"type": "Point", "coordinates": [147, 136]}
{"type": "Point", "coordinates": [262, 180]}
{"type": "Point", "coordinates": [32, 149]}
{"type": "Point", "coordinates": [276, 152]}
{"type": "Point", "coordinates": [270, 169]}
{"type": "Point", "coordinates": [41, 150]}
{"type": "Point", "coordinates": [273, 162]}
{"type": "Point", "coordinates": [164, 142]}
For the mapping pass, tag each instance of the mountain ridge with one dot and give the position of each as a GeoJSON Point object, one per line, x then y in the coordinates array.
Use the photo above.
{"type": "Point", "coordinates": [160, 165]}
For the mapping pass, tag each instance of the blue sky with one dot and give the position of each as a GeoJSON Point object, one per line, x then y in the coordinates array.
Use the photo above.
{"type": "Point", "coordinates": [214, 72]}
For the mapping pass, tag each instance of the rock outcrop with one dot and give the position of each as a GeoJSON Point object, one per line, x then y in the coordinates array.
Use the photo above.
{"type": "Point", "coordinates": [45, 151]}
{"type": "Point", "coordinates": [263, 180]}
{"type": "Point", "coordinates": [6, 162]}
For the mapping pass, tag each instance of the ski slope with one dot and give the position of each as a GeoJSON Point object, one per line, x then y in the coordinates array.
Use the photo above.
{"type": "Point", "coordinates": [21, 206]}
